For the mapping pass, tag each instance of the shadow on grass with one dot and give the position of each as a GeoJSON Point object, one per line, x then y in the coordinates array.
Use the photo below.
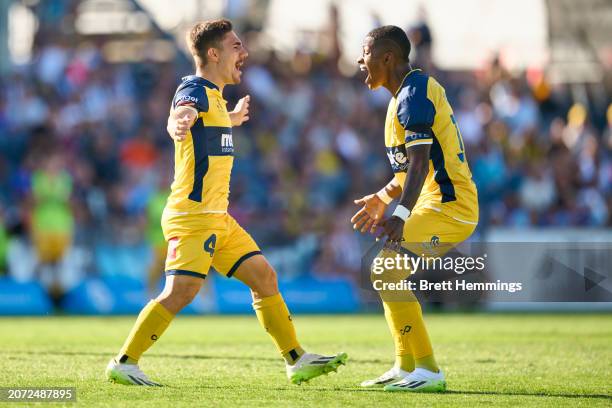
{"type": "Point", "coordinates": [530, 394]}
{"type": "Point", "coordinates": [306, 386]}
{"type": "Point", "coordinates": [452, 392]}
{"type": "Point", "coordinates": [16, 355]}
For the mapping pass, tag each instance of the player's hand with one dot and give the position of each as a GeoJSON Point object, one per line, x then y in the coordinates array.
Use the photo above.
{"type": "Point", "coordinates": [367, 218]}
{"type": "Point", "coordinates": [179, 126]}
{"type": "Point", "coordinates": [393, 227]}
{"type": "Point", "coordinates": [240, 114]}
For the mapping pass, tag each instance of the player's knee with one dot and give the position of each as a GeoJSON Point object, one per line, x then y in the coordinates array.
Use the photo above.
{"type": "Point", "coordinates": [179, 293]}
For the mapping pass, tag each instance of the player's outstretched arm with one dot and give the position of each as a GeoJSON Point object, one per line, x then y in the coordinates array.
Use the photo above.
{"type": "Point", "coordinates": [240, 114]}
{"type": "Point", "coordinates": [180, 121]}
{"type": "Point", "coordinates": [418, 157]}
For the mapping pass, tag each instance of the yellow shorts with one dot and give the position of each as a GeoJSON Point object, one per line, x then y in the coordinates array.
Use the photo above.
{"type": "Point", "coordinates": [51, 246]}
{"type": "Point", "coordinates": [431, 233]}
{"type": "Point", "coordinates": [428, 234]}
{"type": "Point", "coordinates": [197, 241]}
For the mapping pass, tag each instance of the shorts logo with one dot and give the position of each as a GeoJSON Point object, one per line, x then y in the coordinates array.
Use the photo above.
{"type": "Point", "coordinates": [209, 244]}
{"type": "Point", "coordinates": [172, 246]}
{"type": "Point", "coordinates": [405, 330]}
{"type": "Point", "coordinates": [154, 337]}
{"type": "Point", "coordinates": [435, 241]}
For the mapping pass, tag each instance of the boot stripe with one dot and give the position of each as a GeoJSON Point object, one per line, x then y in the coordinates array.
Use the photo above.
{"type": "Point", "coordinates": [406, 384]}
{"type": "Point", "coordinates": [135, 380]}
{"type": "Point", "coordinates": [322, 360]}
{"type": "Point", "coordinates": [418, 384]}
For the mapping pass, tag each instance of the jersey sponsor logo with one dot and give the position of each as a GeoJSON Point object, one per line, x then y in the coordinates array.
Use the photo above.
{"type": "Point", "coordinates": [398, 158]}
{"type": "Point", "coordinates": [227, 143]}
{"type": "Point", "coordinates": [209, 244]}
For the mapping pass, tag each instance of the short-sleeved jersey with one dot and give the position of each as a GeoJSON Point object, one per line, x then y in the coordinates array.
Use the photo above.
{"type": "Point", "coordinates": [203, 161]}
{"type": "Point", "coordinates": [419, 113]}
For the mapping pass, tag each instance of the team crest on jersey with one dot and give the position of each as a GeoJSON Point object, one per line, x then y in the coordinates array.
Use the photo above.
{"type": "Point", "coordinates": [219, 106]}
{"type": "Point", "coordinates": [398, 158]}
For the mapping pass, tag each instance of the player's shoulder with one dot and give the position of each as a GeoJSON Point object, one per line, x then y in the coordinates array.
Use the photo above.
{"type": "Point", "coordinates": [414, 108]}
{"type": "Point", "coordinates": [414, 86]}
{"type": "Point", "coordinates": [192, 91]}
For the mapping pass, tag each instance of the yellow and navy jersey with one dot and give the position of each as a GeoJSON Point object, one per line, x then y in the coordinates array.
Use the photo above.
{"type": "Point", "coordinates": [419, 113]}
{"type": "Point", "coordinates": [203, 161]}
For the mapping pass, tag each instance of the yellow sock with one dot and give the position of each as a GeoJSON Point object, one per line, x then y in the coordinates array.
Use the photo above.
{"type": "Point", "coordinates": [403, 352]}
{"type": "Point", "coordinates": [274, 316]}
{"type": "Point", "coordinates": [405, 362]}
{"type": "Point", "coordinates": [428, 363]}
{"type": "Point", "coordinates": [405, 320]}
{"type": "Point", "coordinates": [151, 323]}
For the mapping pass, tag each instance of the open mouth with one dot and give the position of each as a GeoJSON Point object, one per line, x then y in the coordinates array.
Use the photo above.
{"type": "Point", "coordinates": [239, 66]}
{"type": "Point", "coordinates": [363, 68]}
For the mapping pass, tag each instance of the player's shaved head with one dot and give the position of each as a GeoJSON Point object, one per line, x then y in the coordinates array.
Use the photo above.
{"type": "Point", "coordinates": [391, 38]}
{"type": "Point", "coordinates": [206, 35]}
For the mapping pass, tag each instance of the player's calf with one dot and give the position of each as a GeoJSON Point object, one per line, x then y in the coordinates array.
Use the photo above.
{"type": "Point", "coordinates": [274, 317]}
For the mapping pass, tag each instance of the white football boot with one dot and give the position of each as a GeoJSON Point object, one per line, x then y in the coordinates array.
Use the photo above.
{"type": "Point", "coordinates": [420, 380]}
{"type": "Point", "coordinates": [309, 366]}
{"type": "Point", "coordinates": [393, 375]}
{"type": "Point", "coordinates": [127, 374]}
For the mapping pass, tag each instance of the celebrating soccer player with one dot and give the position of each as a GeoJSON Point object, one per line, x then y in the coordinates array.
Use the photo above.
{"type": "Point", "coordinates": [437, 207]}
{"type": "Point", "coordinates": [195, 222]}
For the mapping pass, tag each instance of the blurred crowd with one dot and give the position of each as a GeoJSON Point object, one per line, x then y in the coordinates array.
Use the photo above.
{"type": "Point", "coordinates": [85, 161]}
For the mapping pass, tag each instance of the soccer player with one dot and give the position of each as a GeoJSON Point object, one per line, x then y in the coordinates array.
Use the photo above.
{"type": "Point", "coordinates": [195, 222]}
{"type": "Point", "coordinates": [437, 201]}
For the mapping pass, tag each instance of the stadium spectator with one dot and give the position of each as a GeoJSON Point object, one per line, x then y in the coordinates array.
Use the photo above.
{"type": "Point", "coordinates": [308, 150]}
{"type": "Point", "coordinates": [52, 222]}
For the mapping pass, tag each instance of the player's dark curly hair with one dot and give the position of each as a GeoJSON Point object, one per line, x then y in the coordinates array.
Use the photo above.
{"type": "Point", "coordinates": [392, 38]}
{"type": "Point", "coordinates": [206, 35]}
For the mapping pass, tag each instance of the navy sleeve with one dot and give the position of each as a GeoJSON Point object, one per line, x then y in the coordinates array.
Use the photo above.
{"type": "Point", "coordinates": [191, 95]}
{"type": "Point", "coordinates": [415, 111]}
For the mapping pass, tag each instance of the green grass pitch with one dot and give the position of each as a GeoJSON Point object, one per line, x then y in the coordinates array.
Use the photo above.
{"type": "Point", "coordinates": [504, 360]}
